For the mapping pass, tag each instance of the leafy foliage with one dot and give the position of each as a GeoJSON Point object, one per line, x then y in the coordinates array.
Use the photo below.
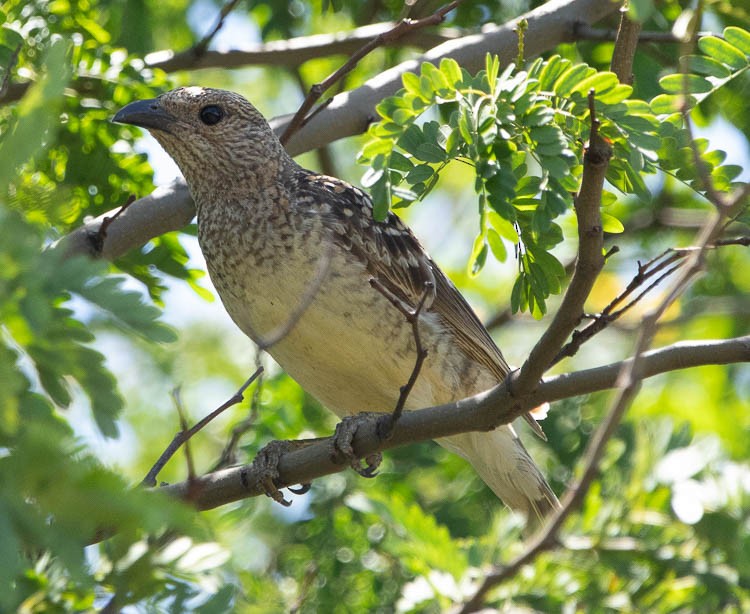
{"type": "Point", "coordinates": [523, 132]}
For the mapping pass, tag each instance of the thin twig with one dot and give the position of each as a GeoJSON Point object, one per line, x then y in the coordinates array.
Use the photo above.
{"type": "Point", "coordinates": [229, 453]}
{"type": "Point", "coordinates": [402, 28]}
{"type": "Point", "coordinates": [184, 435]}
{"type": "Point", "coordinates": [96, 238]}
{"type": "Point", "coordinates": [183, 428]}
{"type": "Point", "coordinates": [412, 316]}
{"type": "Point", "coordinates": [665, 263]}
{"type": "Point", "coordinates": [200, 47]}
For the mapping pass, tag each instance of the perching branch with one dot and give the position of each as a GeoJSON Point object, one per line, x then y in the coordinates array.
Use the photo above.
{"type": "Point", "coordinates": [482, 412]}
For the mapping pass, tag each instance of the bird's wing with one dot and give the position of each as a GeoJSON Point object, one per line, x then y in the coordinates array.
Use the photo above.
{"type": "Point", "coordinates": [395, 258]}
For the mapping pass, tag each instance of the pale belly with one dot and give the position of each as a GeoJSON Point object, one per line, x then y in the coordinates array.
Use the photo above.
{"type": "Point", "coordinates": [350, 347]}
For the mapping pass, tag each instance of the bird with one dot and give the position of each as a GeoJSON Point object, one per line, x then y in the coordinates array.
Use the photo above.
{"type": "Point", "coordinates": [306, 271]}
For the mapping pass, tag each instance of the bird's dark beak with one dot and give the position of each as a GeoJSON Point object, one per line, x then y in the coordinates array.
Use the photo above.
{"type": "Point", "coordinates": [145, 114]}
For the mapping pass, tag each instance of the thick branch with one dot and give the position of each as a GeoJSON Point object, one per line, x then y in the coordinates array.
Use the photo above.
{"type": "Point", "coordinates": [295, 51]}
{"type": "Point", "coordinates": [166, 209]}
{"type": "Point", "coordinates": [484, 411]}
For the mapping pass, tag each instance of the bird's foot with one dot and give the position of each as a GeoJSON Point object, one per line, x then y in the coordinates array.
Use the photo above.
{"type": "Point", "coordinates": [341, 444]}
{"type": "Point", "coordinates": [266, 467]}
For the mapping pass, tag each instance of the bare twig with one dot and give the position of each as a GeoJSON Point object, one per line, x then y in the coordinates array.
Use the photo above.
{"type": "Point", "coordinates": [402, 28]}
{"type": "Point", "coordinates": [97, 237]}
{"type": "Point", "coordinates": [229, 453]}
{"type": "Point", "coordinates": [325, 159]}
{"type": "Point", "coordinates": [200, 47]}
{"type": "Point", "coordinates": [412, 316]}
{"type": "Point", "coordinates": [185, 434]}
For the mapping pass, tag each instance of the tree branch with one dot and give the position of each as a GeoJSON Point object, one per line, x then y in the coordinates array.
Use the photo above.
{"type": "Point", "coordinates": [399, 30]}
{"type": "Point", "coordinates": [590, 261]}
{"type": "Point", "coordinates": [295, 51]}
{"type": "Point", "coordinates": [482, 412]}
{"type": "Point", "coordinates": [625, 45]}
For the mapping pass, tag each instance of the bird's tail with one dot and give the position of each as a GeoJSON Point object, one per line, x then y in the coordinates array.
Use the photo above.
{"type": "Point", "coordinates": [507, 468]}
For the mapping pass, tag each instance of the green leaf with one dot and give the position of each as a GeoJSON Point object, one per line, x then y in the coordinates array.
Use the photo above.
{"type": "Point", "coordinates": [503, 227]}
{"type": "Point", "coordinates": [611, 224]}
{"type": "Point", "coordinates": [679, 82]}
{"type": "Point", "coordinates": [478, 255]}
{"type": "Point", "coordinates": [436, 77]}
{"type": "Point", "coordinates": [429, 152]}
{"type": "Point", "coordinates": [411, 83]}
{"type": "Point", "coordinates": [707, 66]}
{"type": "Point", "coordinates": [496, 245]}
{"type": "Point", "coordinates": [723, 52]}
{"type": "Point", "coordinates": [420, 174]}
{"type": "Point", "coordinates": [617, 94]}
{"type": "Point", "coordinates": [452, 71]}
{"type": "Point", "coordinates": [571, 78]}
{"type": "Point", "coordinates": [600, 82]}
{"type": "Point", "coordinates": [399, 162]}
{"type": "Point", "coordinates": [739, 38]}
{"type": "Point", "coordinates": [411, 139]}
{"type": "Point", "coordinates": [665, 104]}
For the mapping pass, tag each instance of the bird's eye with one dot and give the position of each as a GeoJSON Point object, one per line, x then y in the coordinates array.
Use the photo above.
{"type": "Point", "coordinates": [211, 114]}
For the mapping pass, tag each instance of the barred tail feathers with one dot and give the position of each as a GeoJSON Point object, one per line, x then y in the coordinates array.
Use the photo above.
{"type": "Point", "coordinates": [506, 467]}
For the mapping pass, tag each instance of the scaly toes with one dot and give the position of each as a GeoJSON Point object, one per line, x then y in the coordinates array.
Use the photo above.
{"type": "Point", "coordinates": [341, 445]}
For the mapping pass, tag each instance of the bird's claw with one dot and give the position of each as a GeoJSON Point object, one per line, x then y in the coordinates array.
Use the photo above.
{"type": "Point", "coordinates": [266, 469]}
{"type": "Point", "coordinates": [341, 445]}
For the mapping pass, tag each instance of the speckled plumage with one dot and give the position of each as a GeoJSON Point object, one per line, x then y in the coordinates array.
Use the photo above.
{"type": "Point", "coordinates": [270, 230]}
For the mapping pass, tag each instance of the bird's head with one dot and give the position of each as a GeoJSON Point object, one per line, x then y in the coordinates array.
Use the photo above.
{"type": "Point", "coordinates": [215, 136]}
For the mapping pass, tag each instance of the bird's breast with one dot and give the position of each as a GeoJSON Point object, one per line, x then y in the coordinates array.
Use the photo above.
{"type": "Point", "coordinates": [312, 303]}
